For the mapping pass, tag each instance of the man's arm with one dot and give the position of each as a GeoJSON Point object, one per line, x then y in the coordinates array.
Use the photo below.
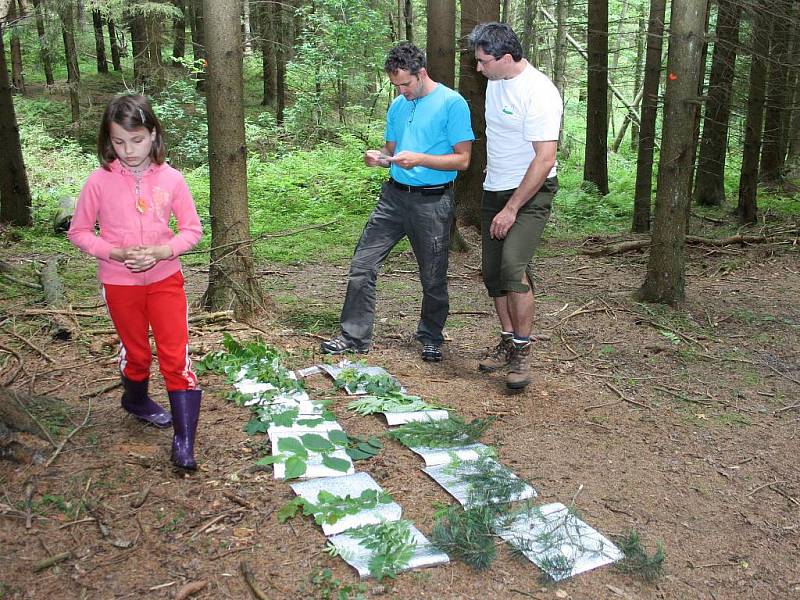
{"type": "Point", "coordinates": [534, 178]}
{"type": "Point", "coordinates": [458, 160]}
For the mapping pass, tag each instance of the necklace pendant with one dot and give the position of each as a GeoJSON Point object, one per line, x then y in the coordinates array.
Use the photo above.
{"type": "Point", "coordinates": [141, 205]}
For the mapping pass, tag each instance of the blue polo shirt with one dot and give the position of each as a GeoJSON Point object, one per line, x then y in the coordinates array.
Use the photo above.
{"type": "Point", "coordinates": [432, 124]}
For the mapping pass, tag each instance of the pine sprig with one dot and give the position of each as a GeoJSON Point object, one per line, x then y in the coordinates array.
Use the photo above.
{"type": "Point", "coordinates": [446, 433]}
{"type": "Point", "coordinates": [486, 480]}
{"type": "Point", "coordinates": [637, 561]}
{"type": "Point", "coordinates": [467, 534]}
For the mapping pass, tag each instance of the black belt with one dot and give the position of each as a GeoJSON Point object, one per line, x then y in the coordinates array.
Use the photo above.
{"type": "Point", "coordinates": [425, 190]}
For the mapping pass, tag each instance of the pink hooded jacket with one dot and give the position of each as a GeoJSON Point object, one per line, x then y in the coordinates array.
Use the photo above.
{"type": "Point", "coordinates": [108, 198]}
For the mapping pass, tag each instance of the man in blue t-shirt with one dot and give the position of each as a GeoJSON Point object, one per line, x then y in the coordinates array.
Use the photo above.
{"type": "Point", "coordinates": [428, 140]}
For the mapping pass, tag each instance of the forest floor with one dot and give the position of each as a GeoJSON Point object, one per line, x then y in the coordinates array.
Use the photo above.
{"type": "Point", "coordinates": [681, 424]}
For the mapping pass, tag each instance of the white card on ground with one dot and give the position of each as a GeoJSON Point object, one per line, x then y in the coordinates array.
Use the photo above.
{"type": "Point", "coordinates": [458, 488]}
{"type": "Point", "coordinates": [352, 485]}
{"type": "Point", "coordinates": [558, 542]}
{"type": "Point", "coordinates": [417, 416]}
{"type": "Point", "coordinates": [443, 456]}
{"type": "Point", "coordinates": [312, 370]}
{"type": "Point", "coordinates": [315, 468]}
{"type": "Point", "coordinates": [334, 370]}
{"type": "Point", "coordinates": [358, 557]}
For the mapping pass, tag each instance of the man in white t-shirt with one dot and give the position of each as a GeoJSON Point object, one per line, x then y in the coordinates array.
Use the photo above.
{"type": "Point", "coordinates": [523, 118]}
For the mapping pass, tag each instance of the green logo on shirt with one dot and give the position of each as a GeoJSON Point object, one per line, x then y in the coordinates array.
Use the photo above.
{"type": "Point", "coordinates": [508, 111]}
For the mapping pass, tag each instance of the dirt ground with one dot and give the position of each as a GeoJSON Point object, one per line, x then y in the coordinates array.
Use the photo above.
{"type": "Point", "coordinates": [679, 423]}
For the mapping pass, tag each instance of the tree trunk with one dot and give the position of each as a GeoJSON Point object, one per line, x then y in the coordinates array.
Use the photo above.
{"type": "Point", "coordinates": [665, 280]}
{"type": "Point", "coordinates": [155, 65]}
{"type": "Point", "coordinates": [441, 54]}
{"type": "Point", "coordinates": [472, 85]}
{"type": "Point", "coordinates": [265, 18]}
{"type": "Point", "coordinates": [409, 20]}
{"type": "Point", "coordinates": [529, 32]}
{"type": "Point", "coordinates": [71, 54]}
{"type": "Point", "coordinates": [647, 131]}
{"type": "Point", "coordinates": [772, 157]}
{"type": "Point", "coordinates": [441, 35]}
{"type": "Point", "coordinates": [17, 78]}
{"type": "Point", "coordinates": [231, 278]}
{"type": "Point", "coordinates": [198, 41]}
{"type": "Point", "coordinates": [791, 86]}
{"type": "Point", "coordinates": [637, 78]}
{"type": "Point", "coordinates": [112, 41]}
{"type": "Point", "coordinates": [281, 21]}
{"type": "Point", "coordinates": [560, 62]}
{"type": "Point", "coordinates": [16, 410]}
{"type": "Point", "coordinates": [710, 185]}
{"type": "Point", "coordinates": [99, 43]}
{"type": "Point", "coordinates": [595, 167]}
{"type": "Point", "coordinates": [747, 208]}
{"type": "Point", "coordinates": [612, 73]}
{"type": "Point", "coordinates": [179, 32]}
{"type": "Point", "coordinates": [15, 196]}
{"type": "Point", "coordinates": [700, 96]}
{"type": "Point", "coordinates": [246, 24]}
{"type": "Point", "coordinates": [141, 64]}
{"type": "Point", "coordinates": [44, 48]}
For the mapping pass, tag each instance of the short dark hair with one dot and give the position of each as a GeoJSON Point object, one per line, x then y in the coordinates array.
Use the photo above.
{"type": "Point", "coordinates": [496, 39]}
{"type": "Point", "coordinates": [405, 57]}
{"type": "Point", "coordinates": [130, 112]}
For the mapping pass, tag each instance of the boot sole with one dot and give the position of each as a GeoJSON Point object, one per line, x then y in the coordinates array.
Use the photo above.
{"type": "Point", "coordinates": [518, 386]}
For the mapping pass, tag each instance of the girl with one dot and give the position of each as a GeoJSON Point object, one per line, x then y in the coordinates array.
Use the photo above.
{"type": "Point", "coordinates": [132, 197]}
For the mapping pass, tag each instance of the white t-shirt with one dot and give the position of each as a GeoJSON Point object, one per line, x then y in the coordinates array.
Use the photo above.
{"type": "Point", "coordinates": [519, 111]}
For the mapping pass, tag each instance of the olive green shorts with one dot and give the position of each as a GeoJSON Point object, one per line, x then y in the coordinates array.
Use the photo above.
{"type": "Point", "coordinates": [504, 262]}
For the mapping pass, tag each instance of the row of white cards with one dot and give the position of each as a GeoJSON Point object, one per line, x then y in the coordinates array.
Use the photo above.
{"type": "Point", "coordinates": [318, 477]}
{"type": "Point", "coordinates": [551, 536]}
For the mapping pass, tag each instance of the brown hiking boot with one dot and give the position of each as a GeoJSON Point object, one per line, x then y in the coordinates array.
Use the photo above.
{"type": "Point", "coordinates": [498, 357]}
{"type": "Point", "coordinates": [519, 367]}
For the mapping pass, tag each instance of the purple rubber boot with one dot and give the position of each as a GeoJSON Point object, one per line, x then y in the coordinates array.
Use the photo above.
{"type": "Point", "coordinates": [185, 413]}
{"type": "Point", "coordinates": [136, 401]}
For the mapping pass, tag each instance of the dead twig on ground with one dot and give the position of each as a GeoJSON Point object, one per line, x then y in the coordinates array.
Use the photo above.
{"type": "Point", "coordinates": [102, 390]}
{"type": "Point", "coordinates": [625, 398]}
{"type": "Point", "coordinates": [231, 551]}
{"type": "Point", "coordinates": [190, 589]}
{"type": "Point", "coordinates": [50, 561]}
{"type": "Point", "coordinates": [29, 487]}
{"type": "Point", "coordinates": [785, 408]}
{"type": "Point", "coordinates": [250, 580]}
{"type": "Point", "coordinates": [69, 435]}
{"type": "Point", "coordinates": [141, 496]}
{"type": "Point", "coordinates": [238, 500]}
{"type": "Point", "coordinates": [766, 485]}
{"type": "Point", "coordinates": [681, 396]}
{"type": "Point", "coordinates": [31, 345]}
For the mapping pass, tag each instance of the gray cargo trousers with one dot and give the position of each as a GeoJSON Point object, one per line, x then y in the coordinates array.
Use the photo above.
{"type": "Point", "coordinates": [425, 219]}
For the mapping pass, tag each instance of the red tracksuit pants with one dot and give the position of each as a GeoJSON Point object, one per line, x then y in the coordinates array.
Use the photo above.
{"type": "Point", "coordinates": [160, 306]}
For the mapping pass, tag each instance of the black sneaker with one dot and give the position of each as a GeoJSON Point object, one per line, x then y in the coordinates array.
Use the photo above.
{"type": "Point", "coordinates": [340, 345]}
{"type": "Point", "coordinates": [431, 352]}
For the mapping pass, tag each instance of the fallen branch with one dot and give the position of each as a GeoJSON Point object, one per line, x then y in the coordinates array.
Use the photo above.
{"type": "Point", "coordinates": [625, 398]}
{"type": "Point", "coordinates": [71, 433]}
{"type": "Point", "coordinates": [250, 580]}
{"type": "Point", "coordinates": [190, 589]}
{"type": "Point", "coordinates": [6, 270]}
{"type": "Point", "coordinates": [30, 344]}
{"type": "Point", "coordinates": [681, 396]}
{"type": "Point", "coordinates": [49, 562]}
{"type": "Point", "coordinates": [691, 240]}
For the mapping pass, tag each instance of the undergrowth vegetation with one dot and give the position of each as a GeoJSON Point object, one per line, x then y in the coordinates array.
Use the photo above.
{"type": "Point", "coordinates": [307, 174]}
